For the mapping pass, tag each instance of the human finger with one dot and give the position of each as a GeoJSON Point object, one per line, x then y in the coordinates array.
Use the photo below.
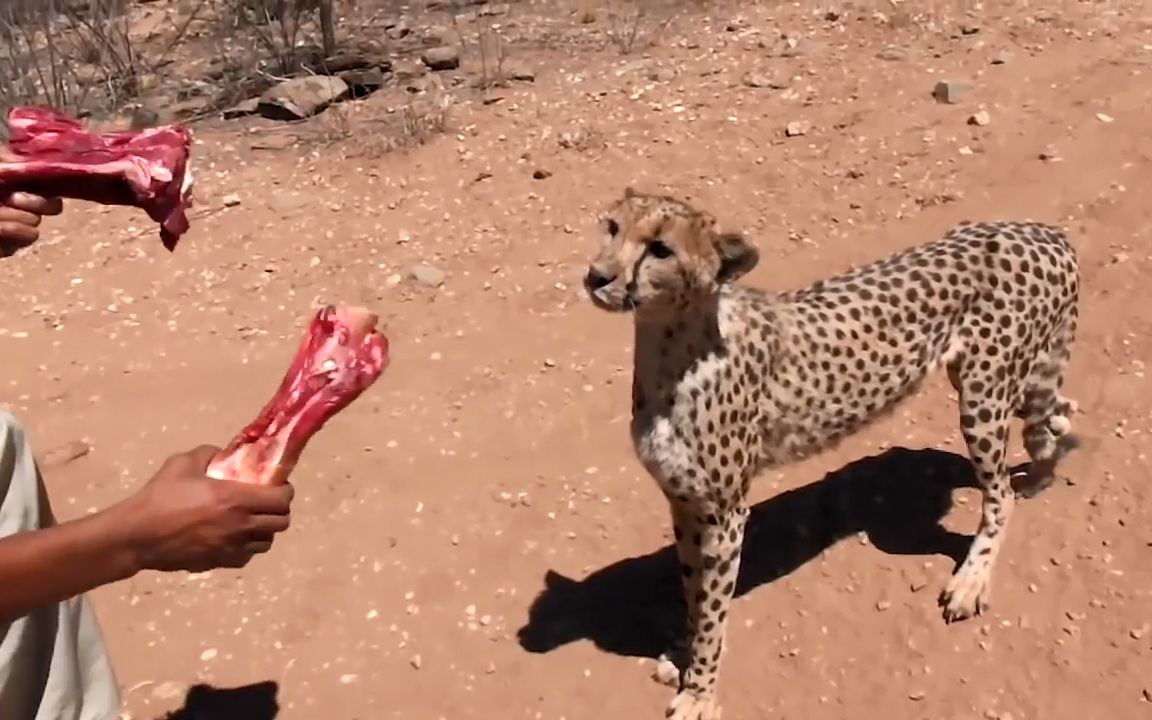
{"type": "Point", "coordinates": [36, 204]}
{"type": "Point", "coordinates": [199, 457]}
{"type": "Point", "coordinates": [16, 235]}
{"type": "Point", "coordinates": [267, 525]}
{"type": "Point", "coordinates": [264, 499]}
{"type": "Point", "coordinates": [18, 216]}
{"type": "Point", "coordinates": [236, 558]}
{"type": "Point", "coordinates": [257, 547]}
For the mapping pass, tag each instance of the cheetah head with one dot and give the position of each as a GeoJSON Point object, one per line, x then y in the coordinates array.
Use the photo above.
{"type": "Point", "coordinates": [657, 251]}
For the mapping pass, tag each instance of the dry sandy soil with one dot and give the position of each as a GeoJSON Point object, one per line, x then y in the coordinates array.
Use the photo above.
{"type": "Point", "coordinates": [473, 538]}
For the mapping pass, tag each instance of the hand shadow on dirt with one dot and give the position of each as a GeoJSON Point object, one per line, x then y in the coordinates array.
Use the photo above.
{"type": "Point", "coordinates": [634, 608]}
{"type": "Point", "coordinates": [249, 702]}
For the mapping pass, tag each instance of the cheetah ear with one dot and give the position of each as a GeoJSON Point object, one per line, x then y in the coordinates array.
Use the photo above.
{"type": "Point", "coordinates": [737, 256]}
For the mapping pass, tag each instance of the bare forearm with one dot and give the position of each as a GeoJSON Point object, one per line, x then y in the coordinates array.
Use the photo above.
{"type": "Point", "coordinates": [41, 567]}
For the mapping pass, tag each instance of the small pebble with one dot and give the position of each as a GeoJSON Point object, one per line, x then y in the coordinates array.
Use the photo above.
{"type": "Point", "coordinates": [797, 128]}
{"type": "Point", "coordinates": [428, 276]}
{"type": "Point", "coordinates": [980, 118]}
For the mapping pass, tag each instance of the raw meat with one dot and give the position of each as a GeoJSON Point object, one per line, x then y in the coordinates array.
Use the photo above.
{"type": "Point", "coordinates": [341, 355]}
{"type": "Point", "coordinates": [55, 155]}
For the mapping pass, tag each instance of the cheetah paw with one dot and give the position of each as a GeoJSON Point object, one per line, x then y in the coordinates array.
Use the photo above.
{"type": "Point", "coordinates": [666, 672]}
{"type": "Point", "coordinates": [689, 706]}
{"type": "Point", "coordinates": [968, 594]}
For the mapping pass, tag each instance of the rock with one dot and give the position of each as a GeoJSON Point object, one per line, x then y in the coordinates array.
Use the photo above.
{"type": "Point", "coordinates": [968, 29]}
{"type": "Point", "coordinates": [65, 453]}
{"type": "Point", "coordinates": [662, 74]}
{"type": "Point", "coordinates": [795, 47]}
{"type": "Point", "coordinates": [949, 91]}
{"type": "Point", "coordinates": [242, 109]}
{"type": "Point", "coordinates": [424, 84]}
{"type": "Point", "coordinates": [1104, 118]}
{"type": "Point", "coordinates": [1050, 154]}
{"type": "Point", "coordinates": [980, 118]}
{"type": "Point", "coordinates": [398, 30]}
{"type": "Point", "coordinates": [363, 81]}
{"type": "Point", "coordinates": [184, 109]}
{"type": "Point", "coordinates": [580, 138]}
{"type": "Point", "coordinates": [759, 80]}
{"type": "Point", "coordinates": [444, 57]}
{"type": "Point", "coordinates": [440, 35]}
{"type": "Point", "coordinates": [516, 70]}
{"type": "Point", "coordinates": [193, 89]}
{"type": "Point", "coordinates": [892, 53]}
{"type": "Point", "coordinates": [541, 174]}
{"type": "Point", "coordinates": [220, 68]}
{"type": "Point", "coordinates": [407, 70]}
{"type": "Point", "coordinates": [797, 128]}
{"type": "Point", "coordinates": [642, 65]}
{"type": "Point", "coordinates": [143, 117]}
{"type": "Point", "coordinates": [230, 200]}
{"type": "Point", "coordinates": [428, 276]}
{"type": "Point", "coordinates": [275, 141]}
{"type": "Point", "coordinates": [302, 97]}
{"type": "Point", "coordinates": [1003, 57]}
{"type": "Point", "coordinates": [350, 60]}
{"type": "Point", "coordinates": [494, 9]}
{"type": "Point", "coordinates": [308, 57]}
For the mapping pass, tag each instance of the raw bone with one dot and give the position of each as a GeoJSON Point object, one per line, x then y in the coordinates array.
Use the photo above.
{"type": "Point", "coordinates": [52, 154]}
{"type": "Point", "coordinates": [340, 356]}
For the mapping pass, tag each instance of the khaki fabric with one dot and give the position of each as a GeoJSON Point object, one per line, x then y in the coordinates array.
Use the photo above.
{"type": "Point", "coordinates": [53, 665]}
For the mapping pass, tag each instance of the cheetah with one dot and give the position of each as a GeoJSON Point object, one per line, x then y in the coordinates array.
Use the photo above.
{"type": "Point", "coordinates": [731, 380]}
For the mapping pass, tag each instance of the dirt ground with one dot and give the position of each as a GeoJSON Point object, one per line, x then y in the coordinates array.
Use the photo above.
{"type": "Point", "coordinates": [473, 538]}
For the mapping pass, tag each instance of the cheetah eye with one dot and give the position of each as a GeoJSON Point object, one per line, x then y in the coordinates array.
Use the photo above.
{"type": "Point", "coordinates": [612, 226]}
{"type": "Point", "coordinates": [659, 250]}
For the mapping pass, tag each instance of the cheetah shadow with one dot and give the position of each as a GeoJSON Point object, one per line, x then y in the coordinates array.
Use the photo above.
{"type": "Point", "coordinates": [633, 607]}
{"type": "Point", "coordinates": [248, 702]}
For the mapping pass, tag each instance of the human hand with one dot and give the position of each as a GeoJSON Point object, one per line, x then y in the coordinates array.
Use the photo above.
{"type": "Point", "coordinates": [184, 520]}
{"type": "Point", "coordinates": [20, 215]}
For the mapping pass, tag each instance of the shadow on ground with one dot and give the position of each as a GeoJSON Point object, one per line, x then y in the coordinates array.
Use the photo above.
{"type": "Point", "coordinates": [249, 702]}
{"type": "Point", "coordinates": [633, 607]}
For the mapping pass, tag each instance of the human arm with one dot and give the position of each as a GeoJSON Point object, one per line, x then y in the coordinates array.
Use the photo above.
{"type": "Point", "coordinates": [180, 520]}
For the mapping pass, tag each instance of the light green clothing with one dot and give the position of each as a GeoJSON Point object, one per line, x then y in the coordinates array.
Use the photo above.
{"type": "Point", "coordinates": [53, 665]}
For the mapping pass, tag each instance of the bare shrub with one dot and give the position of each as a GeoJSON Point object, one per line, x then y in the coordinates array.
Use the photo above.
{"type": "Point", "coordinates": [637, 24]}
{"type": "Point", "coordinates": [77, 57]}
{"type": "Point", "coordinates": [371, 134]}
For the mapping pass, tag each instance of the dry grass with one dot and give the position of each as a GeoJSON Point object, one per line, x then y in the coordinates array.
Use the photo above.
{"type": "Point", "coordinates": [367, 134]}
{"type": "Point", "coordinates": [102, 58]}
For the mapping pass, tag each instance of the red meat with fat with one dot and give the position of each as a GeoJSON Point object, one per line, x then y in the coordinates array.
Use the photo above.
{"type": "Point", "coordinates": [340, 356]}
{"type": "Point", "coordinates": [52, 154]}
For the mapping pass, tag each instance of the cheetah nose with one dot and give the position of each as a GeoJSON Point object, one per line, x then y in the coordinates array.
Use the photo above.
{"type": "Point", "coordinates": [595, 279]}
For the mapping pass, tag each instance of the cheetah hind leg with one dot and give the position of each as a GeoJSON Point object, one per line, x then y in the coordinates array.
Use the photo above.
{"type": "Point", "coordinates": [1047, 435]}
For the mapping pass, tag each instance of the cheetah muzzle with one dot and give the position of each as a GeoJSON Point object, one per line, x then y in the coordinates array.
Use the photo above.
{"type": "Point", "coordinates": [730, 380]}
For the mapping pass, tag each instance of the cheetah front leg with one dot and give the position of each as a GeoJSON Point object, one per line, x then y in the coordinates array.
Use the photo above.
{"type": "Point", "coordinates": [686, 529]}
{"type": "Point", "coordinates": [721, 537]}
{"type": "Point", "coordinates": [984, 424]}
